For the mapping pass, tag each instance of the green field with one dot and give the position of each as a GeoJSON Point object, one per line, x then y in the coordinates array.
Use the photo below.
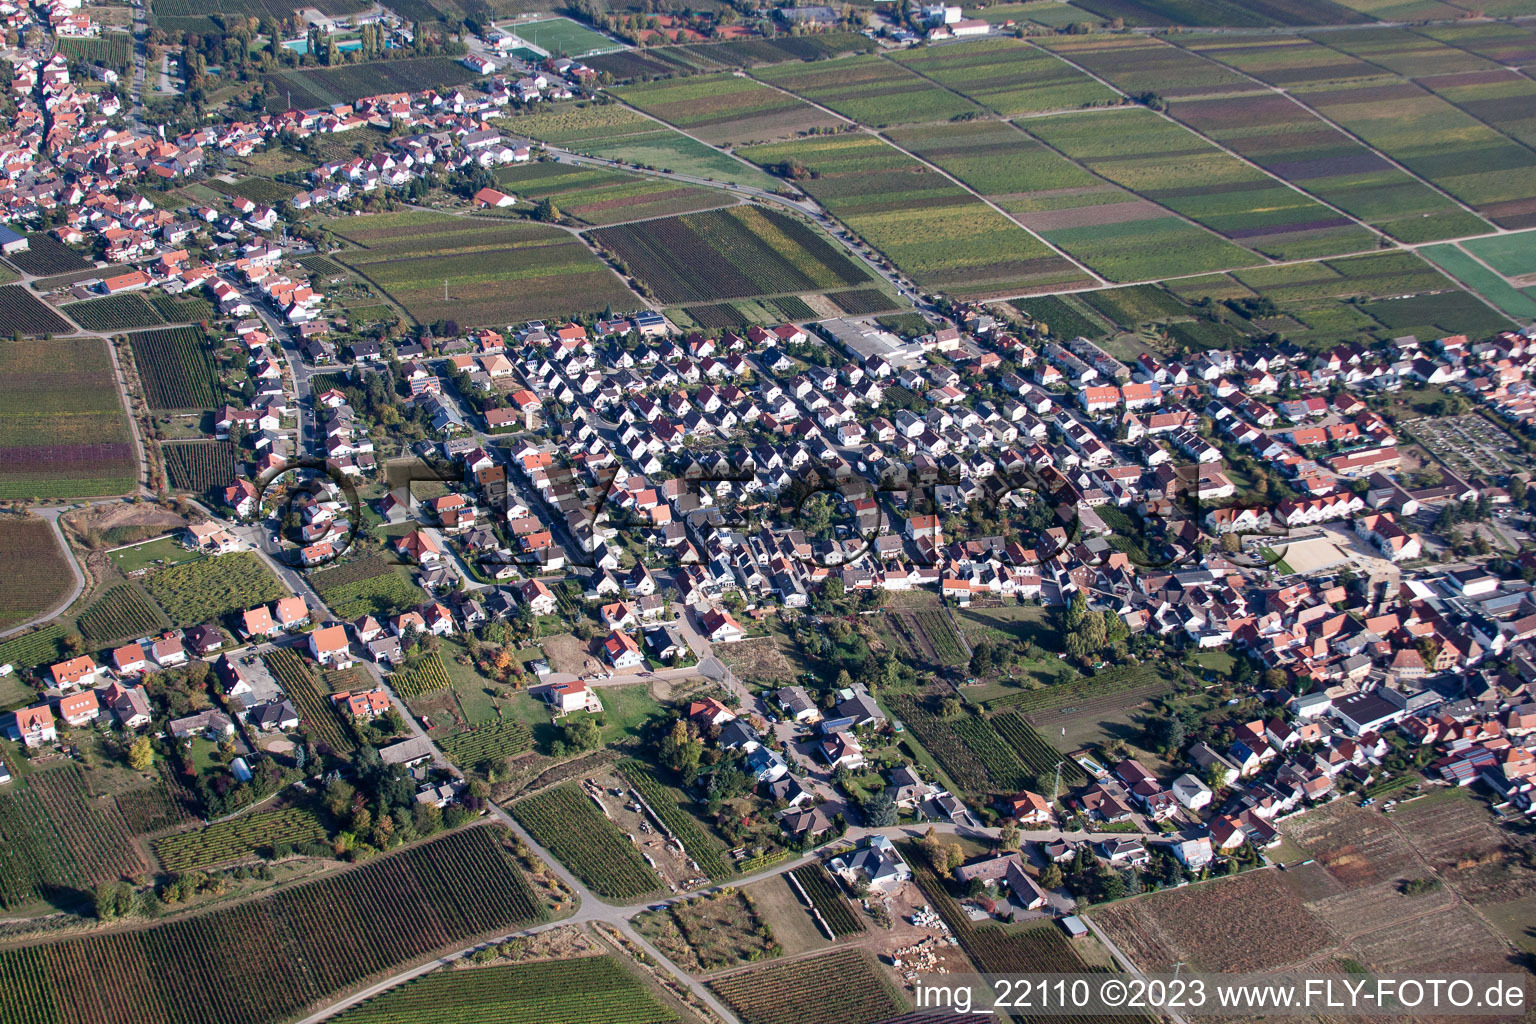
{"type": "Point", "coordinates": [597, 196]}
{"type": "Point", "coordinates": [63, 432]}
{"type": "Point", "coordinates": [619, 133]}
{"type": "Point", "coordinates": [869, 89]}
{"type": "Point", "coordinates": [210, 588]}
{"type": "Point", "coordinates": [1511, 255]}
{"type": "Point", "coordinates": [493, 272]}
{"type": "Point", "coordinates": [1521, 305]}
{"type": "Point", "coordinates": [563, 37]}
{"type": "Point", "coordinates": [1008, 76]}
{"type": "Point", "coordinates": [939, 234]}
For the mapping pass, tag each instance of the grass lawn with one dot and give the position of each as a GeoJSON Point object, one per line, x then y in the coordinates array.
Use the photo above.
{"type": "Point", "coordinates": [1220, 662]}
{"type": "Point", "coordinates": [165, 551]}
{"type": "Point", "coordinates": [14, 693]}
{"type": "Point", "coordinates": [479, 706]}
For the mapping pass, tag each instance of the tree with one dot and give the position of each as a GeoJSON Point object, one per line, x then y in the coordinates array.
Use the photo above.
{"type": "Point", "coordinates": [950, 707]}
{"type": "Point", "coordinates": [1008, 838]}
{"type": "Point", "coordinates": [879, 811]}
{"type": "Point", "coordinates": [1050, 877]}
{"type": "Point", "coordinates": [1216, 776]}
{"type": "Point", "coordinates": [582, 734]}
{"type": "Point", "coordinates": [141, 755]}
{"type": "Point", "coordinates": [680, 750]}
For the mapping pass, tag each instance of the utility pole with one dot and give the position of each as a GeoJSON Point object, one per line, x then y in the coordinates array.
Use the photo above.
{"type": "Point", "coordinates": [1056, 787]}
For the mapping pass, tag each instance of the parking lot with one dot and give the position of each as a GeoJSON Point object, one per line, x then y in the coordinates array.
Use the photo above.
{"type": "Point", "coordinates": [1470, 445]}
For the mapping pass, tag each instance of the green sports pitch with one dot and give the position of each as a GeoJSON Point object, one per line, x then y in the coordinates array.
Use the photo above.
{"type": "Point", "coordinates": [556, 36]}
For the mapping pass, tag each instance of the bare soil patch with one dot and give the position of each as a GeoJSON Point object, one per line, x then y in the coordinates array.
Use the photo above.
{"type": "Point", "coordinates": [1360, 847]}
{"type": "Point", "coordinates": [568, 654]}
{"type": "Point", "coordinates": [1477, 858]}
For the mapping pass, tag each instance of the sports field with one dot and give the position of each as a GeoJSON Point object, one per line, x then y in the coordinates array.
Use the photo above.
{"type": "Point", "coordinates": [562, 37]}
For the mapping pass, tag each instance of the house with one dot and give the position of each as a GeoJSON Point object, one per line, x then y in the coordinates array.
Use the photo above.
{"type": "Point", "coordinates": [329, 646]}
{"type": "Point", "coordinates": [841, 750]}
{"type": "Point", "coordinates": [1193, 853]}
{"type": "Point", "coordinates": [622, 651]}
{"type": "Point", "coordinates": [278, 716]}
{"type": "Point", "coordinates": [363, 703]}
{"type": "Point", "coordinates": [1123, 852]}
{"type": "Point", "coordinates": [537, 597]}
{"type": "Point", "coordinates": [34, 726]}
{"type": "Point", "coordinates": [803, 824]}
{"type": "Point", "coordinates": [797, 704]}
{"type": "Point", "coordinates": [876, 863]}
{"type": "Point", "coordinates": [490, 197]}
{"type": "Point", "coordinates": [129, 660]}
{"type": "Point", "coordinates": [1190, 792]}
{"type": "Point", "coordinates": [765, 765]}
{"type": "Point", "coordinates": [74, 673]}
{"type": "Point", "coordinates": [289, 612]}
{"type": "Point", "coordinates": [203, 640]}
{"type": "Point", "coordinates": [567, 697]}
{"type": "Point", "coordinates": [128, 704]}
{"type": "Point", "coordinates": [258, 623]}
{"type": "Point", "coordinates": [709, 711]}
{"type": "Point", "coordinates": [79, 709]}
{"type": "Point", "coordinates": [907, 790]}
{"type": "Point", "coordinates": [1029, 809]}
{"type": "Point", "coordinates": [385, 650]}
{"type": "Point", "coordinates": [720, 627]}
{"type": "Point", "coordinates": [215, 725]}
{"type": "Point", "coordinates": [169, 652]}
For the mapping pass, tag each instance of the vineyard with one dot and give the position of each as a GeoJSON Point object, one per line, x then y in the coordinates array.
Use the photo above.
{"type": "Point", "coordinates": [238, 838]}
{"type": "Point", "coordinates": [181, 308]}
{"type": "Point", "coordinates": [93, 830]}
{"type": "Point", "coordinates": [831, 904]}
{"type": "Point", "coordinates": [864, 301]}
{"type": "Point", "coordinates": [21, 312]}
{"type": "Point", "coordinates": [121, 613]}
{"type": "Point", "coordinates": [586, 990]}
{"type": "Point", "coordinates": [944, 740]}
{"type": "Point", "coordinates": [33, 858]}
{"type": "Point", "coordinates": [564, 821]}
{"type": "Point", "coordinates": [1038, 756]}
{"type": "Point", "coordinates": [35, 648]}
{"type": "Point", "coordinates": [262, 961]}
{"type": "Point", "coordinates": [152, 809]}
{"type": "Point", "coordinates": [114, 313]}
{"type": "Point", "coordinates": [366, 586]}
{"type": "Point", "coordinates": [726, 254]}
{"type": "Point", "coordinates": [488, 743]}
{"type": "Point", "coordinates": [38, 576]}
{"type": "Point", "coordinates": [706, 851]}
{"type": "Point", "coordinates": [46, 256]}
{"type": "Point", "coordinates": [316, 713]}
{"type": "Point", "coordinates": [928, 636]}
{"type": "Point", "coordinates": [176, 368]}
{"type": "Point", "coordinates": [842, 987]}
{"type": "Point", "coordinates": [199, 466]}
{"type": "Point", "coordinates": [1003, 765]}
{"type": "Point", "coordinates": [1121, 683]}
{"type": "Point", "coordinates": [210, 588]}
{"type": "Point", "coordinates": [426, 676]}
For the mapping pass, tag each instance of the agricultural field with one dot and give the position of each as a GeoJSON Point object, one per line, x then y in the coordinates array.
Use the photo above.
{"type": "Point", "coordinates": [723, 109]}
{"type": "Point", "coordinates": [1038, 756]}
{"type": "Point", "coordinates": [318, 717]}
{"type": "Point", "coordinates": [864, 301]}
{"type": "Point", "coordinates": [92, 829]}
{"type": "Point", "coordinates": [114, 313]}
{"type": "Point", "coordinates": [589, 989]}
{"type": "Point", "coordinates": [1155, 158]}
{"type": "Point", "coordinates": [46, 256]}
{"type": "Point", "coordinates": [1514, 255]}
{"type": "Point", "coordinates": [63, 432]}
{"type": "Point", "coordinates": [870, 90]}
{"type": "Point", "coordinates": [1442, 144]}
{"type": "Point", "coordinates": [321, 87]}
{"type": "Point", "coordinates": [1456, 837]}
{"type": "Point", "coordinates": [966, 747]}
{"type": "Point", "coordinates": [564, 821]}
{"type": "Point", "coordinates": [211, 588]}
{"type": "Point", "coordinates": [935, 231]}
{"type": "Point", "coordinates": [1359, 847]}
{"type": "Point", "coordinates": [746, 53]}
{"type": "Point", "coordinates": [732, 253]}
{"type": "Point", "coordinates": [1281, 61]}
{"type": "Point", "coordinates": [709, 933]}
{"type": "Point", "coordinates": [260, 190]}
{"type": "Point", "coordinates": [38, 575]}
{"type": "Point", "coordinates": [153, 808]}
{"type": "Point", "coordinates": [596, 196]}
{"type": "Point", "coordinates": [1195, 13]}
{"type": "Point", "coordinates": [492, 742]}
{"type": "Point", "coordinates": [1061, 317]}
{"type": "Point", "coordinates": [176, 368]}
{"type": "Point", "coordinates": [1519, 304]}
{"type": "Point", "coordinates": [478, 272]}
{"type": "Point", "coordinates": [1501, 42]}
{"type": "Point", "coordinates": [1133, 684]}
{"type": "Point", "coordinates": [24, 314]}
{"type": "Point", "coordinates": [1118, 234]}
{"type": "Point", "coordinates": [426, 675]}
{"type": "Point", "coordinates": [366, 586]}
{"type": "Point", "coordinates": [828, 901]}
{"type": "Point", "coordinates": [618, 133]}
{"type": "Point", "coordinates": [846, 986]}
{"type": "Point", "coordinates": [199, 466]}
{"type": "Point", "coordinates": [111, 49]}
{"type": "Point", "coordinates": [34, 860]}
{"type": "Point", "coordinates": [306, 941]}
{"type": "Point", "coordinates": [1251, 922]}
{"type": "Point", "coordinates": [667, 804]}
{"type": "Point", "coordinates": [194, 15]}
{"type": "Point", "coordinates": [1139, 64]}
{"type": "Point", "coordinates": [238, 838]}
{"type": "Point", "coordinates": [1008, 76]}
{"type": "Point", "coordinates": [121, 613]}
{"type": "Point", "coordinates": [627, 65]}
{"type": "Point", "coordinates": [1291, 142]}
{"type": "Point", "coordinates": [35, 648]}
